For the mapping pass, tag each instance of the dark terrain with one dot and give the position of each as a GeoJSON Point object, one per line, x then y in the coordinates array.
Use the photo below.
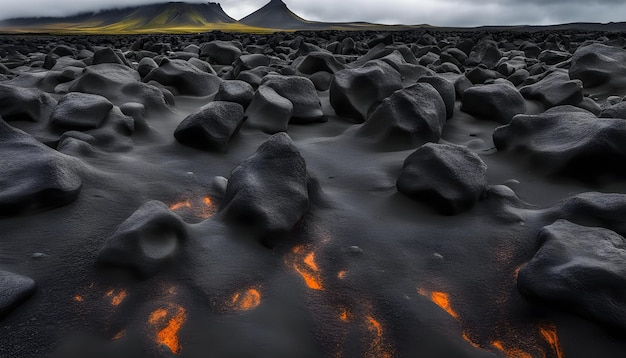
{"type": "Point", "coordinates": [421, 193]}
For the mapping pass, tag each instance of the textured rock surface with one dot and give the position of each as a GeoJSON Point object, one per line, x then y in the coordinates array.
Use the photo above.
{"type": "Point", "coordinates": [498, 102]}
{"type": "Point", "coordinates": [354, 93]}
{"type": "Point", "coordinates": [147, 241]}
{"type": "Point", "coordinates": [449, 178]}
{"type": "Point", "coordinates": [14, 290]}
{"type": "Point", "coordinates": [566, 140]}
{"type": "Point", "coordinates": [407, 119]}
{"type": "Point", "coordinates": [211, 126]}
{"type": "Point", "coordinates": [581, 269]}
{"type": "Point", "coordinates": [34, 177]}
{"type": "Point", "coordinates": [268, 191]}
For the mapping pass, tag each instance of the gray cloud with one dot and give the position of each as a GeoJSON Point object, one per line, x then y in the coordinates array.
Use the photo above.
{"type": "Point", "coordinates": [434, 12]}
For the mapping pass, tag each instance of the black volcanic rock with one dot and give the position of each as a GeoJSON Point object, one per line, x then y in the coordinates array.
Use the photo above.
{"type": "Point", "coordinates": [14, 290]}
{"type": "Point", "coordinates": [235, 91]}
{"type": "Point", "coordinates": [107, 55]}
{"type": "Point", "coordinates": [276, 15]}
{"type": "Point", "coordinates": [147, 241]}
{"type": "Point", "coordinates": [220, 52]}
{"type": "Point", "coordinates": [316, 62]}
{"type": "Point", "coordinates": [24, 104]}
{"type": "Point", "coordinates": [307, 107]}
{"type": "Point", "coordinates": [449, 178]}
{"type": "Point", "coordinates": [184, 78]}
{"type": "Point", "coordinates": [211, 126]}
{"type": "Point", "coordinates": [446, 91]}
{"type": "Point", "coordinates": [145, 66]}
{"type": "Point", "coordinates": [597, 64]}
{"type": "Point", "coordinates": [268, 192]}
{"type": "Point", "coordinates": [120, 85]}
{"type": "Point", "coordinates": [80, 111]}
{"type": "Point", "coordinates": [566, 140]}
{"type": "Point", "coordinates": [498, 102]}
{"type": "Point", "coordinates": [355, 92]}
{"type": "Point", "coordinates": [248, 62]}
{"type": "Point", "coordinates": [407, 119]}
{"type": "Point", "coordinates": [617, 110]}
{"type": "Point", "coordinates": [485, 53]}
{"type": "Point", "coordinates": [581, 269]}
{"type": "Point", "coordinates": [35, 177]}
{"type": "Point", "coordinates": [555, 89]}
{"type": "Point", "coordinates": [269, 111]}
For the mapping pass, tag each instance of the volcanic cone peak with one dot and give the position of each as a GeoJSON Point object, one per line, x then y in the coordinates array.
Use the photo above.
{"type": "Point", "coordinates": [277, 15]}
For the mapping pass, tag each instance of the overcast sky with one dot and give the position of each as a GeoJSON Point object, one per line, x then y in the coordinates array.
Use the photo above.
{"type": "Point", "coordinates": [433, 12]}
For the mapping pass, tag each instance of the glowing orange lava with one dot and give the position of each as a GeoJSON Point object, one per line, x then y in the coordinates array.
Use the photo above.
{"type": "Point", "coordinates": [511, 352]}
{"type": "Point", "coordinates": [469, 340]}
{"type": "Point", "coordinates": [247, 300]}
{"type": "Point", "coordinates": [119, 335]}
{"type": "Point", "coordinates": [180, 205]}
{"type": "Point", "coordinates": [550, 335]}
{"type": "Point", "coordinates": [342, 274]}
{"type": "Point", "coordinates": [304, 263]}
{"type": "Point", "coordinates": [168, 335]}
{"type": "Point", "coordinates": [116, 299]}
{"type": "Point", "coordinates": [343, 315]}
{"type": "Point", "coordinates": [378, 348]}
{"type": "Point", "coordinates": [199, 207]}
{"type": "Point", "coordinates": [78, 298]}
{"type": "Point", "coordinates": [441, 299]}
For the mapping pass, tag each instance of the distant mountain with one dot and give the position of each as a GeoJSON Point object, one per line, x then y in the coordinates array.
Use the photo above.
{"type": "Point", "coordinates": [164, 17]}
{"type": "Point", "coordinates": [276, 15]}
{"type": "Point", "coordinates": [181, 17]}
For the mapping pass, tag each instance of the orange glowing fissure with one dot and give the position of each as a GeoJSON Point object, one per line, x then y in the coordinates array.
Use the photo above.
{"type": "Point", "coordinates": [168, 335]}
{"type": "Point", "coordinates": [305, 265]}
{"type": "Point", "coordinates": [246, 300]}
{"type": "Point", "coordinates": [203, 208]}
{"type": "Point", "coordinates": [550, 335]}
{"type": "Point", "coordinates": [116, 299]}
{"type": "Point", "coordinates": [378, 348]}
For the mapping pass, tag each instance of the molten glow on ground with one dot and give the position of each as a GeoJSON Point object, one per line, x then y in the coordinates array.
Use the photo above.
{"type": "Point", "coordinates": [550, 335]}
{"type": "Point", "coordinates": [199, 207]}
{"type": "Point", "coordinates": [116, 299]}
{"type": "Point", "coordinates": [511, 352]}
{"type": "Point", "coordinates": [303, 262]}
{"type": "Point", "coordinates": [168, 322]}
{"type": "Point", "coordinates": [377, 348]}
{"type": "Point", "coordinates": [246, 300]}
{"type": "Point", "coordinates": [441, 299]}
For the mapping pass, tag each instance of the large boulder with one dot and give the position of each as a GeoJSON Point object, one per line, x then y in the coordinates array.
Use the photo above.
{"type": "Point", "coordinates": [235, 91]}
{"type": "Point", "coordinates": [449, 178]}
{"type": "Point", "coordinates": [301, 92]}
{"type": "Point", "coordinates": [120, 84]}
{"type": "Point", "coordinates": [566, 140]}
{"type": "Point", "coordinates": [268, 193]}
{"type": "Point", "coordinates": [147, 241]}
{"type": "Point", "coordinates": [407, 119]}
{"type": "Point", "coordinates": [269, 111]}
{"type": "Point", "coordinates": [80, 111]}
{"type": "Point", "coordinates": [211, 126]}
{"type": "Point", "coordinates": [498, 102]}
{"type": "Point", "coordinates": [14, 290]}
{"type": "Point", "coordinates": [184, 78]}
{"type": "Point", "coordinates": [597, 64]}
{"type": "Point", "coordinates": [24, 104]}
{"type": "Point", "coordinates": [34, 177]}
{"type": "Point", "coordinates": [555, 89]}
{"type": "Point", "coordinates": [446, 91]}
{"type": "Point", "coordinates": [579, 268]}
{"type": "Point", "coordinates": [220, 52]}
{"type": "Point", "coordinates": [355, 92]}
